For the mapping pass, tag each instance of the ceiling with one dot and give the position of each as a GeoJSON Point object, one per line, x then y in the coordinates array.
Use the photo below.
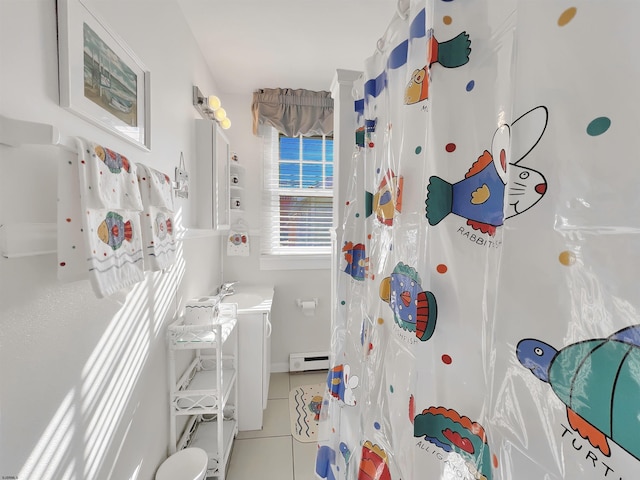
{"type": "Point", "coordinates": [251, 44]}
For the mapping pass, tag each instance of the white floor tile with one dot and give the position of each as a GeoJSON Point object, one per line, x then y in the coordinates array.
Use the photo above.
{"type": "Point", "coordinates": [275, 422]}
{"type": "Point", "coordinates": [272, 452]}
{"type": "Point", "coordinates": [304, 460]}
{"type": "Point", "coordinates": [279, 385]}
{"type": "Point", "coordinates": [262, 458]}
{"type": "Point", "coordinates": [297, 379]}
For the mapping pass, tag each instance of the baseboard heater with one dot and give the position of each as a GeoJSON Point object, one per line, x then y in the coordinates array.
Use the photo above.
{"type": "Point", "coordinates": [302, 362]}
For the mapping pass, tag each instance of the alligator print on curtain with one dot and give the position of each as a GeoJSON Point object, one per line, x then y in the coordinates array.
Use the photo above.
{"type": "Point", "coordinates": [487, 320]}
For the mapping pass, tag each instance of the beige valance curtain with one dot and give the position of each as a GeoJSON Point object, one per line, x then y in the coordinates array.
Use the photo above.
{"type": "Point", "coordinates": [293, 112]}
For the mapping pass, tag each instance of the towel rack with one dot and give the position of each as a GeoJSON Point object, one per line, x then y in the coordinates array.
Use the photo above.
{"type": "Point", "coordinates": [27, 239]}
{"type": "Point", "coordinates": [20, 132]}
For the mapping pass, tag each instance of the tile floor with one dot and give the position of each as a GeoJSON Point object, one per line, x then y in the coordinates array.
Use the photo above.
{"type": "Point", "coordinates": [272, 452]}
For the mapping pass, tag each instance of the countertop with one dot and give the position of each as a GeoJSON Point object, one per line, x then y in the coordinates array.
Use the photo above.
{"type": "Point", "coordinates": [251, 298]}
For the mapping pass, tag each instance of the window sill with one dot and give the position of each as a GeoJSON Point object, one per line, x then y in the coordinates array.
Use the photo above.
{"type": "Point", "coordinates": [295, 262]}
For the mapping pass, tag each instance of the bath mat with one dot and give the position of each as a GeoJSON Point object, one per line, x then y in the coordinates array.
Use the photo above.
{"type": "Point", "coordinates": [304, 411]}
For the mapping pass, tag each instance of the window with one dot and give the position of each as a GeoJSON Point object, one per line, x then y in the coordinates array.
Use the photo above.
{"type": "Point", "coordinates": [299, 200]}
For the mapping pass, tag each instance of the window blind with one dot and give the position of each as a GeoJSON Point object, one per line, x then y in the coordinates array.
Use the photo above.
{"type": "Point", "coordinates": [298, 194]}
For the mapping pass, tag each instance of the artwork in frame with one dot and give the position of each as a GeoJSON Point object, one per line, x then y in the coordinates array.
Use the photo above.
{"type": "Point", "coordinates": [101, 79]}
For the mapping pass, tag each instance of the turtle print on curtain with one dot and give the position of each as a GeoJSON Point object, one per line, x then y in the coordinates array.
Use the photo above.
{"type": "Point", "coordinates": [487, 311]}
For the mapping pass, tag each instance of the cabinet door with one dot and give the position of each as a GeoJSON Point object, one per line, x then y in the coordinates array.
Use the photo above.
{"type": "Point", "coordinates": [212, 176]}
{"type": "Point", "coordinates": [251, 371]}
{"type": "Point", "coordinates": [223, 194]}
{"type": "Point", "coordinates": [266, 366]}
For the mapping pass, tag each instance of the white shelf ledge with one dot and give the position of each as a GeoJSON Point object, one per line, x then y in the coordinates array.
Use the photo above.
{"type": "Point", "coordinates": [27, 239]}
{"type": "Point", "coordinates": [19, 132]}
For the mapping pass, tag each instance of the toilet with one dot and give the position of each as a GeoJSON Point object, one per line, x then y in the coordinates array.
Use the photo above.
{"type": "Point", "coordinates": [187, 464]}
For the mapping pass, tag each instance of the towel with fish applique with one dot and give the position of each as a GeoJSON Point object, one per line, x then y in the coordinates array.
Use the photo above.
{"type": "Point", "coordinates": [238, 244]}
{"type": "Point", "coordinates": [157, 219]}
{"type": "Point", "coordinates": [109, 177]}
{"type": "Point", "coordinates": [116, 258]}
{"type": "Point", "coordinates": [98, 220]}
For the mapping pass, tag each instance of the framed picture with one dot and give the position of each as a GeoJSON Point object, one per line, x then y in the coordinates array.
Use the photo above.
{"type": "Point", "coordinates": [101, 79]}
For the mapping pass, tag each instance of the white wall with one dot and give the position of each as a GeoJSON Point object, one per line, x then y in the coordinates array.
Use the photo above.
{"type": "Point", "coordinates": [292, 332]}
{"type": "Point", "coordinates": [83, 390]}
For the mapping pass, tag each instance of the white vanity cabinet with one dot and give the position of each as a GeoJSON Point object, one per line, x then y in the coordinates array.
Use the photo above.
{"type": "Point", "coordinates": [254, 356]}
{"type": "Point", "coordinates": [212, 190]}
{"type": "Point", "coordinates": [206, 392]}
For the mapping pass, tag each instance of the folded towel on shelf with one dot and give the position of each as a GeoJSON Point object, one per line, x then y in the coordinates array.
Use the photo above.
{"type": "Point", "coordinates": [157, 219]}
{"type": "Point", "coordinates": [99, 231]}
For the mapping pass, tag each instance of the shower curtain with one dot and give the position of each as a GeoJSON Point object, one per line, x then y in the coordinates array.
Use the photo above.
{"type": "Point", "coordinates": [487, 316]}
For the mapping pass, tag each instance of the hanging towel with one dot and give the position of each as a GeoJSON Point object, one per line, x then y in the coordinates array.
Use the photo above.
{"type": "Point", "coordinates": [238, 240]}
{"type": "Point", "coordinates": [71, 252]}
{"type": "Point", "coordinates": [155, 187]}
{"type": "Point", "coordinates": [238, 244]}
{"type": "Point", "coordinates": [109, 179]}
{"type": "Point", "coordinates": [115, 249]}
{"type": "Point", "coordinates": [99, 225]}
{"type": "Point", "coordinates": [157, 219]}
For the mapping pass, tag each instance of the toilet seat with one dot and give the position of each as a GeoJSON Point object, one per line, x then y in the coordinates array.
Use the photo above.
{"type": "Point", "coordinates": [187, 464]}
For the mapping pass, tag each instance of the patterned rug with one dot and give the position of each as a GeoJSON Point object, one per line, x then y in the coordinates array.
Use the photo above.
{"type": "Point", "coordinates": [304, 411]}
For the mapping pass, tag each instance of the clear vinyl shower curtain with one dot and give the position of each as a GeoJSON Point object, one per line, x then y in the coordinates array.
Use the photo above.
{"type": "Point", "coordinates": [487, 319]}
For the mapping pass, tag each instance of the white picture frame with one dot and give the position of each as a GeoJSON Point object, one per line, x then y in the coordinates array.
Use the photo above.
{"type": "Point", "coordinates": [101, 79]}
